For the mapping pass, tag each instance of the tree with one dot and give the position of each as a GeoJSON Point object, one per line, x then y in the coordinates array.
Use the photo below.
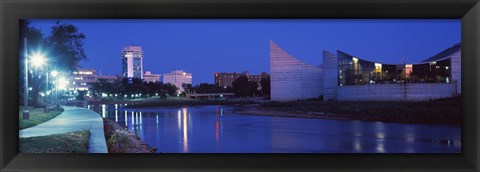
{"type": "Point", "coordinates": [242, 87]}
{"type": "Point", "coordinates": [102, 86]}
{"type": "Point", "coordinates": [35, 40]}
{"type": "Point", "coordinates": [188, 88]}
{"type": "Point", "coordinates": [265, 84]}
{"type": "Point", "coordinates": [66, 47]}
{"type": "Point", "coordinates": [208, 88]}
{"type": "Point", "coordinates": [169, 89]}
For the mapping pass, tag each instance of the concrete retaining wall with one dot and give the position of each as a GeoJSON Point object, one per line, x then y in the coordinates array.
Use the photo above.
{"type": "Point", "coordinates": [415, 91]}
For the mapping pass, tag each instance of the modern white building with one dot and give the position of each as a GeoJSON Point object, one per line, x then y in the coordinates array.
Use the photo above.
{"type": "Point", "coordinates": [149, 77]}
{"type": "Point", "coordinates": [347, 77]}
{"type": "Point", "coordinates": [292, 79]}
{"type": "Point", "coordinates": [132, 62]}
{"type": "Point", "coordinates": [178, 78]}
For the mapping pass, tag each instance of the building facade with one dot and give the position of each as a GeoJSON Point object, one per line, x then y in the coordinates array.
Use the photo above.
{"type": "Point", "coordinates": [226, 79]}
{"type": "Point", "coordinates": [149, 77]}
{"type": "Point", "coordinates": [83, 79]}
{"type": "Point", "coordinates": [347, 77]}
{"type": "Point", "coordinates": [132, 62]}
{"type": "Point", "coordinates": [292, 79]}
{"type": "Point", "coordinates": [178, 78]}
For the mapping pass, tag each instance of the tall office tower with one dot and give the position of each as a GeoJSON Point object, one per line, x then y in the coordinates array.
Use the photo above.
{"type": "Point", "coordinates": [132, 58]}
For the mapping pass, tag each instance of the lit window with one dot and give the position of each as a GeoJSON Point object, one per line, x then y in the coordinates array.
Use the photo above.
{"type": "Point", "coordinates": [355, 60]}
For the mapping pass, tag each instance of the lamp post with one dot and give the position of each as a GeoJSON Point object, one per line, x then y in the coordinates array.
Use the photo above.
{"type": "Point", "coordinates": [26, 113]}
{"type": "Point", "coordinates": [54, 74]}
{"type": "Point", "coordinates": [39, 60]}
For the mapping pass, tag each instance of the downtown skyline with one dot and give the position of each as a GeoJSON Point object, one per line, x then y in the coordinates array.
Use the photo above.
{"type": "Point", "coordinates": [203, 47]}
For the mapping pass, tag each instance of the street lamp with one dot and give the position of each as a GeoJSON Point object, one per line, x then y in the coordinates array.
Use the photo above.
{"type": "Point", "coordinates": [55, 83]}
{"type": "Point", "coordinates": [26, 113]}
{"type": "Point", "coordinates": [39, 60]}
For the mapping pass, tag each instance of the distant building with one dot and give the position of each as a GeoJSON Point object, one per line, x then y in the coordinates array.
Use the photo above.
{"type": "Point", "coordinates": [178, 78]}
{"type": "Point", "coordinates": [226, 79]}
{"type": "Point", "coordinates": [108, 78]}
{"type": "Point", "coordinates": [132, 62]}
{"type": "Point", "coordinates": [83, 79]}
{"type": "Point", "coordinates": [149, 77]}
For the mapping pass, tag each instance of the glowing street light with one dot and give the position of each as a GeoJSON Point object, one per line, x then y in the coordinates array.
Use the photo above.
{"type": "Point", "coordinates": [54, 73]}
{"type": "Point", "coordinates": [38, 59]}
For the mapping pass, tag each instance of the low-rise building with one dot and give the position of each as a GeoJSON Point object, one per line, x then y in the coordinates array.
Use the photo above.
{"type": "Point", "coordinates": [178, 78]}
{"type": "Point", "coordinates": [83, 79]}
{"type": "Point", "coordinates": [225, 79]}
{"type": "Point", "coordinates": [149, 77]}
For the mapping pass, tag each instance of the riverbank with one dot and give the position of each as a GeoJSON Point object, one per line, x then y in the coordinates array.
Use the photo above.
{"type": "Point", "coordinates": [120, 140]}
{"type": "Point", "coordinates": [441, 111]}
{"type": "Point", "coordinates": [37, 116]}
{"type": "Point", "coordinates": [72, 142]}
{"type": "Point", "coordinates": [180, 103]}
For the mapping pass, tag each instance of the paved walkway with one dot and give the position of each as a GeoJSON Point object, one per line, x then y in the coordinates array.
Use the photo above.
{"type": "Point", "coordinates": [73, 119]}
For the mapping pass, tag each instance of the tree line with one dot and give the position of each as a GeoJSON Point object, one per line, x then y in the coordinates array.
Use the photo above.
{"type": "Point", "coordinates": [242, 87]}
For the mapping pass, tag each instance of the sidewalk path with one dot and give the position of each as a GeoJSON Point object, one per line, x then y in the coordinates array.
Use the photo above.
{"type": "Point", "coordinates": [73, 119]}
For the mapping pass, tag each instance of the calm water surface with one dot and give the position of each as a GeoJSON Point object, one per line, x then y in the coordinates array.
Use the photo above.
{"type": "Point", "coordinates": [216, 129]}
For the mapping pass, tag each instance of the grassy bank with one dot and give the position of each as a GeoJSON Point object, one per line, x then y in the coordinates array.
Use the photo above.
{"type": "Point", "coordinates": [73, 142]}
{"type": "Point", "coordinates": [441, 111]}
{"type": "Point", "coordinates": [37, 116]}
{"type": "Point", "coordinates": [120, 140]}
{"type": "Point", "coordinates": [180, 103]}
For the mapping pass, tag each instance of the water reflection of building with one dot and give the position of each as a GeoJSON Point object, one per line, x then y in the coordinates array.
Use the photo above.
{"type": "Point", "coordinates": [347, 77]}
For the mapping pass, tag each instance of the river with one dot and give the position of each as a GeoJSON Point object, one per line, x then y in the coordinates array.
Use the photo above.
{"type": "Point", "coordinates": [216, 129]}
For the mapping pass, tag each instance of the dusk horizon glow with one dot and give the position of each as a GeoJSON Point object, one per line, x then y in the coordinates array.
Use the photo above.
{"type": "Point", "coordinates": [202, 47]}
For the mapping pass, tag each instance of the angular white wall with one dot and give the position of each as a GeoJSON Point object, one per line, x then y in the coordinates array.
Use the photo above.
{"type": "Point", "coordinates": [292, 79]}
{"type": "Point", "coordinates": [330, 75]}
{"type": "Point", "coordinates": [456, 66]}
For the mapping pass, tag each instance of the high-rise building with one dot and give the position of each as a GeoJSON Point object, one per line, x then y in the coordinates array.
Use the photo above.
{"type": "Point", "coordinates": [132, 62]}
{"type": "Point", "coordinates": [149, 77]}
{"type": "Point", "coordinates": [178, 78]}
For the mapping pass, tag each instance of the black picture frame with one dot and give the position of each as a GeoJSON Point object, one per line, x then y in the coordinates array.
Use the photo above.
{"type": "Point", "coordinates": [13, 10]}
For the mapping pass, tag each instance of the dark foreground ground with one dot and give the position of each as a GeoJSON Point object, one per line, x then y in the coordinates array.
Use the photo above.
{"type": "Point", "coordinates": [73, 142]}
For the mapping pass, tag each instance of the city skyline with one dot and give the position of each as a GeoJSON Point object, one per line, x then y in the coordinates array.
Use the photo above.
{"type": "Point", "coordinates": [239, 45]}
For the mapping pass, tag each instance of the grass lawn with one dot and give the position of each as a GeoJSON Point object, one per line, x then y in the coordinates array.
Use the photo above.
{"type": "Point", "coordinates": [37, 116]}
{"type": "Point", "coordinates": [73, 142]}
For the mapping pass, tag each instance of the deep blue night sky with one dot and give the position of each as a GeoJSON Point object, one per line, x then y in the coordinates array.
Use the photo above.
{"type": "Point", "coordinates": [203, 47]}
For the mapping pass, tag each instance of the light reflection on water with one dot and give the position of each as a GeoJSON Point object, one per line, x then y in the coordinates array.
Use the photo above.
{"type": "Point", "coordinates": [215, 129]}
